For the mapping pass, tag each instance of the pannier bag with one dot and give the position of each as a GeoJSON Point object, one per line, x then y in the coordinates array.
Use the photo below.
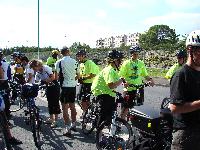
{"type": "Point", "coordinates": [30, 91]}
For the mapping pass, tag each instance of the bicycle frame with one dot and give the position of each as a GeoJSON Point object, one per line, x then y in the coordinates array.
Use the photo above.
{"type": "Point", "coordinates": [33, 119]}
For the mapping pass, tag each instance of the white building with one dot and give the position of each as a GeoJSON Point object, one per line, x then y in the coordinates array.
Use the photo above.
{"type": "Point", "coordinates": [117, 41]}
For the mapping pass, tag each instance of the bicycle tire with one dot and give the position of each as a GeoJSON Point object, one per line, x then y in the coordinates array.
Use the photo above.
{"type": "Point", "coordinates": [17, 104]}
{"type": "Point", "coordinates": [99, 134]}
{"type": "Point", "coordinates": [5, 138]}
{"type": "Point", "coordinates": [90, 116]}
{"type": "Point", "coordinates": [36, 128]}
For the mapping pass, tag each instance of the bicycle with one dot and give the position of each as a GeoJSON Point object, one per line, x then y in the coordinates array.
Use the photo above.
{"type": "Point", "coordinates": [30, 92]}
{"type": "Point", "coordinates": [152, 129]}
{"type": "Point", "coordinates": [4, 125]}
{"type": "Point", "coordinates": [114, 135]}
{"type": "Point", "coordinates": [16, 100]}
{"type": "Point", "coordinates": [91, 117]}
{"type": "Point", "coordinates": [79, 94]}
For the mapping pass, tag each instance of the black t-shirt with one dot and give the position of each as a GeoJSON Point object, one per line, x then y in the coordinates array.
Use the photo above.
{"type": "Point", "coordinates": [185, 87]}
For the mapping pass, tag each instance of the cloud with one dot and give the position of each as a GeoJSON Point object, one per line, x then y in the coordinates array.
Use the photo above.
{"type": "Point", "coordinates": [183, 4]}
{"type": "Point", "coordinates": [181, 22]}
{"type": "Point", "coordinates": [101, 13]}
{"type": "Point", "coordinates": [120, 4]}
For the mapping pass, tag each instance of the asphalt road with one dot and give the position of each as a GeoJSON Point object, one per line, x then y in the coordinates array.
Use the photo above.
{"type": "Point", "coordinates": [53, 138]}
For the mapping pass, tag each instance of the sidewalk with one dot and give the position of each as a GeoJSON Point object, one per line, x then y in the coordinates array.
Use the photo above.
{"type": "Point", "coordinates": [161, 81]}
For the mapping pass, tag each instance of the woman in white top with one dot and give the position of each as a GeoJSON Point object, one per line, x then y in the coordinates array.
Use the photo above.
{"type": "Point", "coordinates": [45, 75]}
{"type": "Point", "coordinates": [29, 72]}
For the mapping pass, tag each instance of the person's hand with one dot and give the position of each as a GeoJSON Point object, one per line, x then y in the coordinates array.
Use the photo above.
{"type": "Point", "coordinates": [151, 82]}
{"type": "Point", "coordinates": [125, 84]}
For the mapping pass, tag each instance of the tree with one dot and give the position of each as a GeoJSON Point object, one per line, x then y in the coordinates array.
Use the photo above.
{"type": "Point", "coordinates": [159, 37]}
{"type": "Point", "coordinates": [77, 46]}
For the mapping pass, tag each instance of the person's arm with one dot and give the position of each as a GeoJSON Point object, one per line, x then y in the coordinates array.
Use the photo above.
{"type": "Point", "coordinates": [1, 73]}
{"type": "Point", "coordinates": [30, 76]}
{"type": "Point", "coordinates": [151, 81]}
{"type": "Point", "coordinates": [113, 85]}
{"type": "Point", "coordinates": [50, 78]}
{"type": "Point", "coordinates": [185, 108]}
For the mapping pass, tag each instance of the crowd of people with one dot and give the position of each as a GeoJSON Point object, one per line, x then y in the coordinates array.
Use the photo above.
{"type": "Point", "coordinates": [62, 75]}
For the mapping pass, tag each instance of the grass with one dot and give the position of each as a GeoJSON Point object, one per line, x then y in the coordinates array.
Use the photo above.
{"type": "Point", "coordinates": [157, 72]}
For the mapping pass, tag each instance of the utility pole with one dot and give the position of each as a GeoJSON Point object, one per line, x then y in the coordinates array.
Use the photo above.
{"type": "Point", "coordinates": [38, 29]}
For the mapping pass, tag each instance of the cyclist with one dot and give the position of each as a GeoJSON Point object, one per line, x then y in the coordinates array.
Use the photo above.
{"type": "Point", "coordinates": [29, 73]}
{"type": "Point", "coordinates": [52, 59]}
{"type": "Point", "coordinates": [105, 83]}
{"type": "Point", "coordinates": [4, 85]}
{"type": "Point", "coordinates": [134, 71]}
{"type": "Point", "coordinates": [185, 98]}
{"type": "Point", "coordinates": [19, 69]}
{"type": "Point", "coordinates": [68, 72]}
{"type": "Point", "coordinates": [181, 57]}
{"type": "Point", "coordinates": [12, 140]}
{"type": "Point", "coordinates": [88, 70]}
{"type": "Point", "coordinates": [45, 75]}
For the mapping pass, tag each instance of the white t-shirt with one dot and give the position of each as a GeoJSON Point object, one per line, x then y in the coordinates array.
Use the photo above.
{"type": "Point", "coordinates": [5, 69]}
{"type": "Point", "coordinates": [28, 71]}
{"type": "Point", "coordinates": [69, 69]}
{"type": "Point", "coordinates": [44, 74]}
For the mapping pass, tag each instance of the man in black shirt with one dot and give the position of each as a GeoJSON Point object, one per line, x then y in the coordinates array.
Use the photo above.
{"type": "Point", "coordinates": [185, 98]}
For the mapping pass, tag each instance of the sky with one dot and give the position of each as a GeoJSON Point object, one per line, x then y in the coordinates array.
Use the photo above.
{"type": "Point", "coordinates": [63, 22]}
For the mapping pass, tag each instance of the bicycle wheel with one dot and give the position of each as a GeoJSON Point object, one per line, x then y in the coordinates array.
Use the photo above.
{"type": "Point", "coordinates": [17, 103]}
{"type": "Point", "coordinates": [121, 138]}
{"type": "Point", "coordinates": [36, 128]}
{"type": "Point", "coordinates": [4, 132]}
{"type": "Point", "coordinates": [90, 118]}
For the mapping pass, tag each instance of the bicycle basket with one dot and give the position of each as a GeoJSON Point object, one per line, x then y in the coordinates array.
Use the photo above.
{"type": "Point", "coordinates": [30, 91]}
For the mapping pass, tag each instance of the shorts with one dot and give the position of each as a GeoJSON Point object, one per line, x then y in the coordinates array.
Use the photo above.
{"type": "Point", "coordinates": [53, 96]}
{"type": "Point", "coordinates": [85, 92]}
{"type": "Point", "coordinates": [130, 101]}
{"type": "Point", "coordinates": [186, 139]}
{"type": "Point", "coordinates": [107, 107]}
{"type": "Point", "coordinates": [68, 95]}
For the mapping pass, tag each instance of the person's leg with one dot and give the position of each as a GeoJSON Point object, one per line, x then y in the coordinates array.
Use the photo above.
{"type": "Point", "coordinates": [129, 103]}
{"type": "Point", "coordinates": [65, 113]}
{"type": "Point", "coordinates": [84, 105]}
{"type": "Point", "coordinates": [86, 88]}
{"type": "Point", "coordinates": [73, 111]}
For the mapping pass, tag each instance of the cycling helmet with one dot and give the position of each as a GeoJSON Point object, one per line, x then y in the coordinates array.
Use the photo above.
{"type": "Point", "coordinates": [81, 52]}
{"type": "Point", "coordinates": [135, 49]}
{"type": "Point", "coordinates": [181, 54]}
{"type": "Point", "coordinates": [55, 52]}
{"type": "Point", "coordinates": [121, 55]}
{"type": "Point", "coordinates": [193, 38]}
{"type": "Point", "coordinates": [114, 54]}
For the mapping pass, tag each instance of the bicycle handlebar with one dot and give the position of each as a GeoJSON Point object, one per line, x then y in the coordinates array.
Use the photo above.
{"type": "Point", "coordinates": [138, 86]}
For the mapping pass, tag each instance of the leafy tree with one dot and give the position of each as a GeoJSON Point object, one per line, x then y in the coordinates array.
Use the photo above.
{"type": "Point", "coordinates": [77, 46]}
{"type": "Point", "coordinates": [159, 37]}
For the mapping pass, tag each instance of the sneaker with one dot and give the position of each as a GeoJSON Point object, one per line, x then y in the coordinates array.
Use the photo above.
{"type": "Point", "coordinates": [67, 132]}
{"type": "Point", "coordinates": [73, 127]}
{"type": "Point", "coordinates": [14, 141]}
{"type": "Point", "coordinates": [54, 124]}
